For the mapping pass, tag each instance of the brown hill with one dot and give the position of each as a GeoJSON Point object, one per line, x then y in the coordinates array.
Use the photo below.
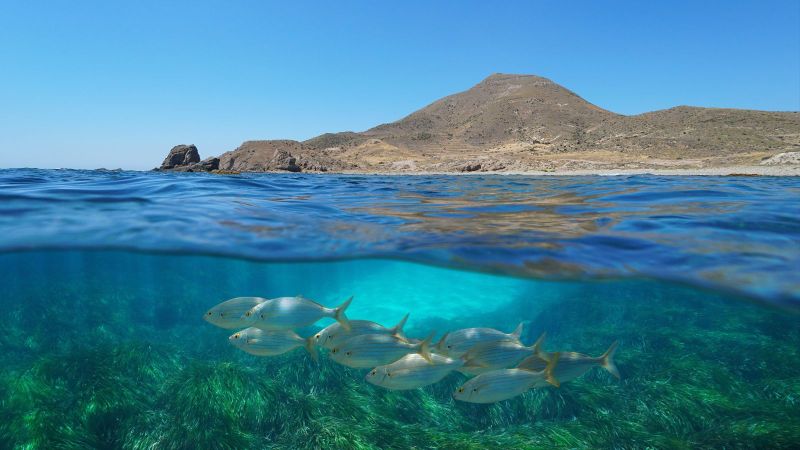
{"type": "Point", "coordinates": [525, 122]}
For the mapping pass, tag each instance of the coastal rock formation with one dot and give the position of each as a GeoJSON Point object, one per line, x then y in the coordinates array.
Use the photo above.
{"type": "Point", "coordinates": [278, 155]}
{"type": "Point", "coordinates": [186, 158]}
{"type": "Point", "coordinates": [782, 158]}
{"type": "Point", "coordinates": [525, 122]}
{"type": "Point", "coordinates": [208, 164]}
{"type": "Point", "coordinates": [181, 155]}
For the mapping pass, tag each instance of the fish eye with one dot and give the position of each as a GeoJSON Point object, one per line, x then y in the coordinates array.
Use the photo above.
{"type": "Point", "coordinates": [449, 346]}
{"type": "Point", "coordinates": [460, 390]}
{"type": "Point", "coordinates": [316, 337]}
{"type": "Point", "coordinates": [208, 313]}
{"type": "Point", "coordinates": [349, 353]}
{"type": "Point", "coordinates": [374, 372]}
{"type": "Point", "coordinates": [247, 314]}
{"type": "Point", "coordinates": [474, 389]}
{"type": "Point", "coordinates": [236, 336]}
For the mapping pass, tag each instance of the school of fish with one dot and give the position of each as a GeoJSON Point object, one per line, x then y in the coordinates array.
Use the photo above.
{"type": "Point", "coordinates": [501, 365]}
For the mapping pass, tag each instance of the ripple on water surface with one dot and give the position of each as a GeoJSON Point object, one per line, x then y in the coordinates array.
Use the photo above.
{"type": "Point", "coordinates": [730, 233]}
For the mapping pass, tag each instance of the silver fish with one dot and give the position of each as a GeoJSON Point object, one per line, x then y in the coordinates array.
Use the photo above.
{"type": "Point", "coordinates": [228, 314]}
{"type": "Point", "coordinates": [413, 371]}
{"type": "Point", "coordinates": [455, 343]}
{"type": "Point", "coordinates": [572, 365]}
{"type": "Point", "coordinates": [495, 355]}
{"type": "Point", "coordinates": [270, 343]}
{"type": "Point", "coordinates": [288, 313]}
{"type": "Point", "coordinates": [502, 384]}
{"type": "Point", "coordinates": [335, 334]}
{"type": "Point", "coordinates": [370, 350]}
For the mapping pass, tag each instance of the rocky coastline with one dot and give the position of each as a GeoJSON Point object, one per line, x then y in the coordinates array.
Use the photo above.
{"type": "Point", "coordinates": [526, 124]}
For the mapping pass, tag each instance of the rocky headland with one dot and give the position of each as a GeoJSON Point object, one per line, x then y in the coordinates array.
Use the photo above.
{"type": "Point", "coordinates": [526, 123]}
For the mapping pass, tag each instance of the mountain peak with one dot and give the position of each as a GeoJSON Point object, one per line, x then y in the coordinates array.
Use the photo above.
{"type": "Point", "coordinates": [500, 78]}
{"type": "Point", "coordinates": [503, 108]}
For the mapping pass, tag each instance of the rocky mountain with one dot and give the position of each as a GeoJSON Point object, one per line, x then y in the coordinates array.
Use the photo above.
{"type": "Point", "coordinates": [525, 122]}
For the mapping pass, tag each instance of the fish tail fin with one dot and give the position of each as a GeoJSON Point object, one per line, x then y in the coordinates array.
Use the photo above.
{"type": "Point", "coordinates": [339, 314]}
{"type": "Point", "coordinates": [517, 333]}
{"type": "Point", "coordinates": [397, 330]}
{"type": "Point", "coordinates": [548, 370]}
{"type": "Point", "coordinates": [311, 348]}
{"type": "Point", "coordinates": [607, 360]}
{"type": "Point", "coordinates": [440, 345]}
{"type": "Point", "coordinates": [424, 348]}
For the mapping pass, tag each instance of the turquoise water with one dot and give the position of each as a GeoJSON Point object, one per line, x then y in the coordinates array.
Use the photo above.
{"type": "Point", "coordinates": [105, 278]}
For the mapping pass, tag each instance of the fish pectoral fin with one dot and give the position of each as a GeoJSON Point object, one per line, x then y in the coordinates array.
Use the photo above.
{"type": "Point", "coordinates": [311, 348]}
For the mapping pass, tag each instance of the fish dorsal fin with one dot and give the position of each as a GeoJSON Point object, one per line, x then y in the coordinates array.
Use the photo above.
{"type": "Point", "coordinates": [517, 333]}
{"type": "Point", "coordinates": [339, 315]}
{"type": "Point", "coordinates": [397, 330]}
{"type": "Point", "coordinates": [303, 297]}
{"type": "Point", "coordinates": [440, 345]}
{"type": "Point", "coordinates": [537, 347]}
{"type": "Point", "coordinates": [424, 347]}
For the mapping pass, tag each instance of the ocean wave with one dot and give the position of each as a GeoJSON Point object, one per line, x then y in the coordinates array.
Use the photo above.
{"type": "Point", "coordinates": [728, 233]}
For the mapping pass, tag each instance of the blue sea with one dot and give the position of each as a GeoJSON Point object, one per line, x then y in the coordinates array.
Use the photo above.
{"type": "Point", "coordinates": [105, 277]}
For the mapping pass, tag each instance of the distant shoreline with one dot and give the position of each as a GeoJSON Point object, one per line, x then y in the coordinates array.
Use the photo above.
{"type": "Point", "coordinates": [767, 171]}
{"type": "Point", "coordinates": [772, 171]}
{"type": "Point", "coordinates": [752, 170]}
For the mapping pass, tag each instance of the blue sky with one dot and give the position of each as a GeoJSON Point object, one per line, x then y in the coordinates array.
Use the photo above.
{"type": "Point", "coordinates": [116, 84]}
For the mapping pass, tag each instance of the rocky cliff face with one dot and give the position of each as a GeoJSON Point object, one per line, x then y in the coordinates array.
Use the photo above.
{"type": "Point", "coordinates": [524, 122]}
{"type": "Point", "coordinates": [278, 155]}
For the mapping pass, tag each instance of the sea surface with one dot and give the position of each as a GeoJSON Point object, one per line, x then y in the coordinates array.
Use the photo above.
{"type": "Point", "coordinates": [105, 277]}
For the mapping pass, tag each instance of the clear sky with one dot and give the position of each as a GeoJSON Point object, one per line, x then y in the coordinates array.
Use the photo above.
{"type": "Point", "coordinates": [115, 84]}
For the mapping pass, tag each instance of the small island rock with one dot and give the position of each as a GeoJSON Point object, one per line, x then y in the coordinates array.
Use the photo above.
{"type": "Point", "coordinates": [181, 155]}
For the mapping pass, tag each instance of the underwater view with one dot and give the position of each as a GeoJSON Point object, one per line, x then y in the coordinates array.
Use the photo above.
{"type": "Point", "coordinates": [680, 294]}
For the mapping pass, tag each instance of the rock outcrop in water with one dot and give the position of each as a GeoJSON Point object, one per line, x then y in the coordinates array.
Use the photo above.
{"type": "Point", "coordinates": [186, 158]}
{"type": "Point", "coordinates": [526, 123]}
{"type": "Point", "coordinates": [181, 156]}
